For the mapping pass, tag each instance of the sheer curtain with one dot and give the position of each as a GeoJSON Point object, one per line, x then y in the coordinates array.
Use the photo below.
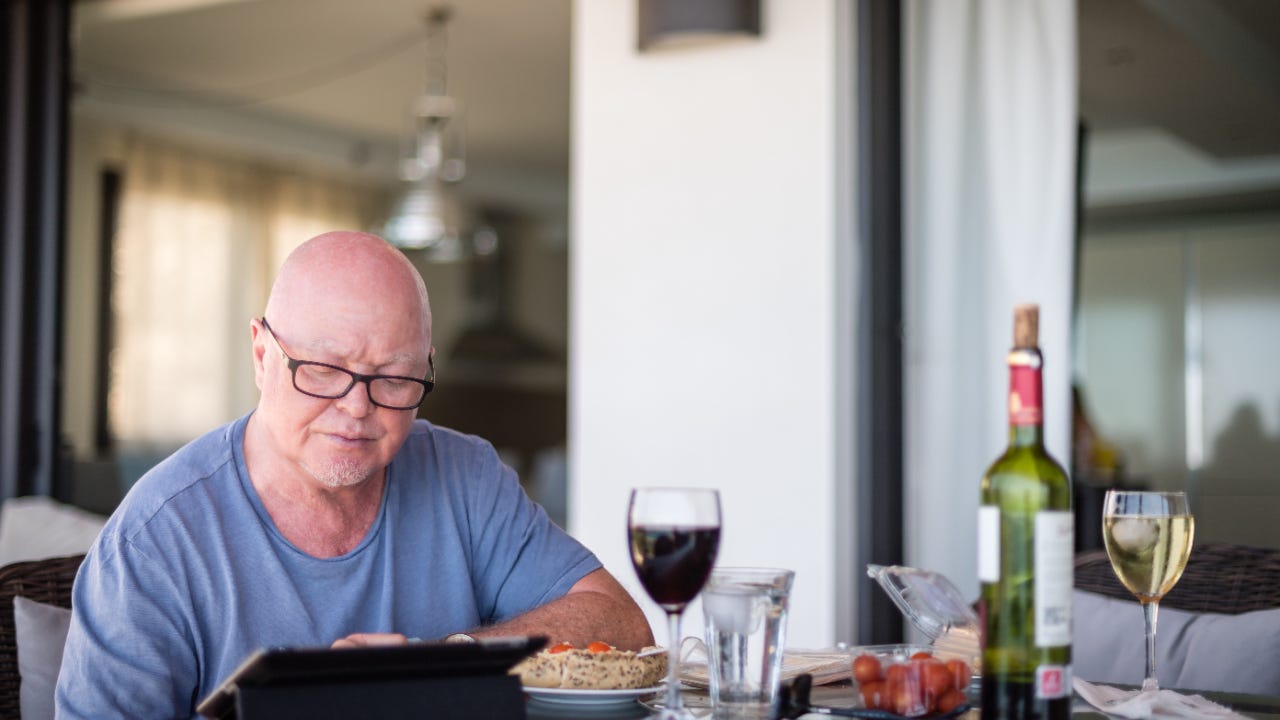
{"type": "Point", "coordinates": [990, 174]}
{"type": "Point", "coordinates": [199, 241]}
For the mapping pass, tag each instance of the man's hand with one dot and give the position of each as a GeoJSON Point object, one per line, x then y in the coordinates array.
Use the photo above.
{"type": "Point", "coordinates": [370, 640]}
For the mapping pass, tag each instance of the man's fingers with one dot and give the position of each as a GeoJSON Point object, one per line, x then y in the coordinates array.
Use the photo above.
{"type": "Point", "coordinates": [370, 640]}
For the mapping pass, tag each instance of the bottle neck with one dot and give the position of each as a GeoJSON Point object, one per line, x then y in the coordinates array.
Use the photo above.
{"type": "Point", "coordinates": [1026, 411]}
{"type": "Point", "coordinates": [1026, 435]}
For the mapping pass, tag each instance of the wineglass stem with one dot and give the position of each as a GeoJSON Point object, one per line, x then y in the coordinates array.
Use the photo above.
{"type": "Point", "coordinates": [1149, 611]}
{"type": "Point", "coordinates": [673, 664]}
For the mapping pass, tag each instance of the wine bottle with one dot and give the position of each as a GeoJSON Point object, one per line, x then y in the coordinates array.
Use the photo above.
{"type": "Point", "coordinates": [1025, 545]}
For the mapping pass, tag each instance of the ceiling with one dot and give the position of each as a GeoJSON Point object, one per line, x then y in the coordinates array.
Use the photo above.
{"type": "Point", "coordinates": [342, 72]}
{"type": "Point", "coordinates": [1206, 71]}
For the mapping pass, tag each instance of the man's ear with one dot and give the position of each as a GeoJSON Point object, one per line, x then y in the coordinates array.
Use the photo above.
{"type": "Point", "coordinates": [258, 339]}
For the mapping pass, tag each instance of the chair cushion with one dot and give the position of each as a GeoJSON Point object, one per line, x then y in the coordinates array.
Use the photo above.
{"type": "Point", "coordinates": [36, 527]}
{"type": "Point", "coordinates": [41, 632]}
{"type": "Point", "coordinates": [1194, 651]}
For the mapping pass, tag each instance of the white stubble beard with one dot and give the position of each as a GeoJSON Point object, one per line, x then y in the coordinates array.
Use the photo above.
{"type": "Point", "coordinates": [340, 473]}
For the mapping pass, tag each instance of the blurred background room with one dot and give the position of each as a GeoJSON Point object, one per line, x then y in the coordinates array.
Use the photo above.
{"type": "Point", "coordinates": [750, 259]}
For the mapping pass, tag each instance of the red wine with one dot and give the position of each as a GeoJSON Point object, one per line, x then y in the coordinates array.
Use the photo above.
{"type": "Point", "coordinates": [673, 562]}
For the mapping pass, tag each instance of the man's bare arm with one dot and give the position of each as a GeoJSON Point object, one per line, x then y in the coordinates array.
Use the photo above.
{"type": "Point", "coordinates": [595, 608]}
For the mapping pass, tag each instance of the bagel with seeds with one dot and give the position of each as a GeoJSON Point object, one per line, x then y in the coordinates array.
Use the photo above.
{"type": "Point", "coordinates": [598, 666]}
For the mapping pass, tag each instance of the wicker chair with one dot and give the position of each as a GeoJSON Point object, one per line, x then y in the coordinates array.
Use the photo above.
{"type": "Point", "coordinates": [1220, 578]}
{"type": "Point", "coordinates": [47, 581]}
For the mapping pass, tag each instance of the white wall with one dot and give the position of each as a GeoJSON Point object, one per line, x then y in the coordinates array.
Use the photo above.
{"type": "Point", "coordinates": [80, 299]}
{"type": "Point", "coordinates": [94, 148]}
{"type": "Point", "coordinates": [703, 286]}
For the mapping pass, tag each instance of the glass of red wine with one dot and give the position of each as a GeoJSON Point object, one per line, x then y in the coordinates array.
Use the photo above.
{"type": "Point", "coordinates": [674, 535]}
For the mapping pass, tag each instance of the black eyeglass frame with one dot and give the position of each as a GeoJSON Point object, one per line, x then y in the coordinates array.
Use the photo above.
{"type": "Point", "coordinates": [293, 364]}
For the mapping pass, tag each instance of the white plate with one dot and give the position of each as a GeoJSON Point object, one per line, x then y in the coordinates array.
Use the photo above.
{"type": "Point", "coordinates": [568, 696]}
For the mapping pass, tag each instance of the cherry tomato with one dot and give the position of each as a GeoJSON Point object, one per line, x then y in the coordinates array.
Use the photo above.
{"type": "Point", "coordinates": [907, 701]}
{"type": "Point", "coordinates": [922, 655]}
{"type": "Point", "coordinates": [866, 668]}
{"type": "Point", "coordinates": [936, 678]}
{"type": "Point", "coordinates": [874, 694]}
{"type": "Point", "coordinates": [960, 673]}
{"type": "Point", "coordinates": [950, 700]}
{"type": "Point", "coordinates": [905, 689]}
{"type": "Point", "coordinates": [598, 646]}
{"type": "Point", "coordinates": [560, 647]}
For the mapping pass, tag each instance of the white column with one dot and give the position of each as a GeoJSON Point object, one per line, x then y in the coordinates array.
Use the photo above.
{"type": "Point", "coordinates": [703, 290]}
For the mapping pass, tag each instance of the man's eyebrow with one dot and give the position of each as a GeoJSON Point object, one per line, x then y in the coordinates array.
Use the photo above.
{"type": "Point", "coordinates": [406, 358]}
{"type": "Point", "coordinates": [323, 345]}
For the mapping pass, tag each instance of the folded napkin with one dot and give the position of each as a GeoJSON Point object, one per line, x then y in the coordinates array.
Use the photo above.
{"type": "Point", "coordinates": [1154, 704]}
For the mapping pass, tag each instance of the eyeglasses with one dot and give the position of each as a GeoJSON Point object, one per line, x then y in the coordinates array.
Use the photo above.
{"type": "Point", "coordinates": [322, 380]}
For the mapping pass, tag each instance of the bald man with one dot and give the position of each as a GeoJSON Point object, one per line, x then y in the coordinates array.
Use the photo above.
{"type": "Point", "coordinates": [329, 515]}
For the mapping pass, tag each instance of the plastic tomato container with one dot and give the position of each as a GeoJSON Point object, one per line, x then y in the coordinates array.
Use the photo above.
{"type": "Point", "coordinates": [910, 680]}
{"type": "Point", "coordinates": [935, 607]}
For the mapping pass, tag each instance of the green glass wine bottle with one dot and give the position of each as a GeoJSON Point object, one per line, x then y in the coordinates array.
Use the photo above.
{"type": "Point", "coordinates": [1025, 545]}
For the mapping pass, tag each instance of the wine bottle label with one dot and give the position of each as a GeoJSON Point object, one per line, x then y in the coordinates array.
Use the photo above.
{"type": "Point", "coordinates": [1054, 542]}
{"type": "Point", "coordinates": [1024, 396]}
{"type": "Point", "coordinates": [1053, 682]}
{"type": "Point", "coordinates": [989, 544]}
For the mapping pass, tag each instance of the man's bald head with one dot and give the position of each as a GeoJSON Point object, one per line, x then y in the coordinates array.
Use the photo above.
{"type": "Point", "coordinates": [346, 274]}
{"type": "Point", "coordinates": [350, 301]}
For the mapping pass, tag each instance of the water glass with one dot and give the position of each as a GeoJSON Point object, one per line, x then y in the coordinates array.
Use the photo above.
{"type": "Point", "coordinates": [746, 629]}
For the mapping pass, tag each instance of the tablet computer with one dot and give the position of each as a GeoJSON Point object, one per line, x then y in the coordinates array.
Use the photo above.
{"type": "Point", "coordinates": [300, 666]}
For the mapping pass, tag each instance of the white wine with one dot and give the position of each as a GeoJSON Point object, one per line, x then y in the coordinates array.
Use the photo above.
{"type": "Point", "coordinates": [1148, 537]}
{"type": "Point", "coordinates": [1025, 543]}
{"type": "Point", "coordinates": [1148, 552]}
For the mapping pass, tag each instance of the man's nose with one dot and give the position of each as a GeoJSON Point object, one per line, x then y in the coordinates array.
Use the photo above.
{"type": "Point", "coordinates": [357, 402]}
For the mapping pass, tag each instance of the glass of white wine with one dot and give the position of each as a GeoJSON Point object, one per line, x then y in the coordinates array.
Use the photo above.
{"type": "Point", "coordinates": [1148, 537]}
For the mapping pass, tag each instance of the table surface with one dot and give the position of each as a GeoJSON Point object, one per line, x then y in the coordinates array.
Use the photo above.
{"type": "Point", "coordinates": [1258, 707]}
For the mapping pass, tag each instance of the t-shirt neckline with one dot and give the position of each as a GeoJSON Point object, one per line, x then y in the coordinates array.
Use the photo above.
{"type": "Point", "coordinates": [251, 494]}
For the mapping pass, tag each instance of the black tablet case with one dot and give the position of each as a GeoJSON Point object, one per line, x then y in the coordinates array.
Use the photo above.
{"type": "Point", "coordinates": [418, 680]}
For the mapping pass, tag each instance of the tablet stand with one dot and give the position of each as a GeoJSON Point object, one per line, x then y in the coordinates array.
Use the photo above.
{"type": "Point", "coordinates": [441, 698]}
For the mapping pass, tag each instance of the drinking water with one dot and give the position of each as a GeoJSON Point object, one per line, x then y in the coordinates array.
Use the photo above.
{"type": "Point", "coordinates": [746, 621]}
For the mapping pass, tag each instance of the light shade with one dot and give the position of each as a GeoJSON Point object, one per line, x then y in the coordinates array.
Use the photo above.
{"type": "Point", "coordinates": [427, 217]}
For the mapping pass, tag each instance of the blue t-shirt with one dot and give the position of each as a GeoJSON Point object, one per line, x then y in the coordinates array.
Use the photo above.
{"type": "Point", "coordinates": [190, 575]}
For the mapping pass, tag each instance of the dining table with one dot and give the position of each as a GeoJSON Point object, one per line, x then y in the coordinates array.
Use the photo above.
{"type": "Point", "coordinates": [842, 695]}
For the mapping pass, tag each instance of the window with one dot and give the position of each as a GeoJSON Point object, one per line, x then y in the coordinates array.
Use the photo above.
{"type": "Point", "coordinates": [198, 244]}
